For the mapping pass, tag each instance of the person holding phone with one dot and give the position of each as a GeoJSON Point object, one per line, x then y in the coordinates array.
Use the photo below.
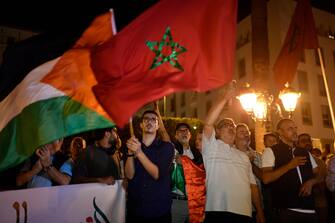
{"type": "Point", "coordinates": [292, 172]}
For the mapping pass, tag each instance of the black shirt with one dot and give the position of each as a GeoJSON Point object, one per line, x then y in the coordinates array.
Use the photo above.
{"type": "Point", "coordinates": [95, 162]}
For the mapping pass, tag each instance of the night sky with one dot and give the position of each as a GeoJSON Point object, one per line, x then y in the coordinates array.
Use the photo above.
{"type": "Point", "coordinates": [65, 15]}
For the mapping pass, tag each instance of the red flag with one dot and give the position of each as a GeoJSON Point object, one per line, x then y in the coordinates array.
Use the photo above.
{"type": "Point", "coordinates": [301, 35]}
{"type": "Point", "coordinates": [176, 45]}
{"type": "Point", "coordinates": [195, 177]}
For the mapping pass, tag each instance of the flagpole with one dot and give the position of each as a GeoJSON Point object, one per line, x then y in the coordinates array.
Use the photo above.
{"type": "Point", "coordinates": [131, 128]}
{"type": "Point", "coordinates": [164, 106]}
{"type": "Point", "coordinates": [326, 87]}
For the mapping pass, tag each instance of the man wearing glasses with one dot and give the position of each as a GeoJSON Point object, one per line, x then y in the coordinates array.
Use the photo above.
{"type": "Point", "coordinates": [148, 170]}
{"type": "Point", "coordinates": [229, 176]}
{"type": "Point", "coordinates": [182, 143]}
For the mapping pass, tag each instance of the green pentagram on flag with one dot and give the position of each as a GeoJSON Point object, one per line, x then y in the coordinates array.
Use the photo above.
{"type": "Point", "coordinates": [157, 48]}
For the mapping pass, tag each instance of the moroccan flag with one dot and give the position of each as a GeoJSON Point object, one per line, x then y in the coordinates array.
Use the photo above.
{"type": "Point", "coordinates": [195, 177]}
{"type": "Point", "coordinates": [176, 45]}
{"type": "Point", "coordinates": [301, 35]}
{"type": "Point", "coordinates": [54, 100]}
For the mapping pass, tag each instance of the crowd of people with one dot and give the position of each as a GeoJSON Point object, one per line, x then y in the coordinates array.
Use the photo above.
{"type": "Point", "coordinates": [290, 181]}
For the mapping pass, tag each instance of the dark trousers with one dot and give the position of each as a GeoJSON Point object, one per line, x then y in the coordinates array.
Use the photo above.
{"type": "Point", "coordinates": [289, 216]}
{"type": "Point", "coordinates": [226, 217]}
{"type": "Point", "coordinates": [166, 218]}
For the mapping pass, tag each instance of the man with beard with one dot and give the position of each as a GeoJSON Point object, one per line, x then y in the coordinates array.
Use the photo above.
{"type": "Point", "coordinates": [148, 170]}
{"type": "Point", "coordinates": [182, 143]}
{"type": "Point", "coordinates": [96, 163]}
{"type": "Point", "coordinates": [229, 176]}
{"type": "Point", "coordinates": [183, 147]}
{"type": "Point", "coordinates": [291, 171]}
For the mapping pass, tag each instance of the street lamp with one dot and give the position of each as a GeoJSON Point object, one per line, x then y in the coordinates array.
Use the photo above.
{"type": "Point", "coordinates": [259, 104]}
{"type": "Point", "coordinates": [248, 99]}
{"type": "Point", "coordinates": [289, 98]}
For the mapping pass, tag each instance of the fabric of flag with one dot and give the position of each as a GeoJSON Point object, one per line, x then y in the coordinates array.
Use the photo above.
{"type": "Point", "coordinates": [301, 35]}
{"type": "Point", "coordinates": [195, 177]}
{"type": "Point", "coordinates": [176, 45]}
{"type": "Point", "coordinates": [54, 100]}
{"type": "Point", "coordinates": [177, 180]}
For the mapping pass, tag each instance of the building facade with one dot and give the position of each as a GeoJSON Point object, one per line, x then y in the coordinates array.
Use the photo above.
{"type": "Point", "coordinates": [312, 114]}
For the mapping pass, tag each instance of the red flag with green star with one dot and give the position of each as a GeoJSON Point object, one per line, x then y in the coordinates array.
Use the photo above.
{"type": "Point", "coordinates": [176, 45]}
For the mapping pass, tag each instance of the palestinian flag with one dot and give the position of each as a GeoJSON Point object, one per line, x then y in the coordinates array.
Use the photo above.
{"type": "Point", "coordinates": [54, 100]}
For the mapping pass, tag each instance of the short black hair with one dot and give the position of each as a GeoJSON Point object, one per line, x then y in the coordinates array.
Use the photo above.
{"type": "Point", "coordinates": [100, 133]}
{"type": "Point", "coordinates": [183, 124]}
{"type": "Point", "coordinates": [149, 112]}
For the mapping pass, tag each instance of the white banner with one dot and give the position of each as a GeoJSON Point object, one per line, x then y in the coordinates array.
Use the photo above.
{"type": "Point", "coordinates": [80, 203]}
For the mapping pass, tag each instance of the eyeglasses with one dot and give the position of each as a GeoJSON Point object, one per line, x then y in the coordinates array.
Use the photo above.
{"type": "Point", "coordinates": [148, 119]}
{"type": "Point", "coordinates": [226, 125]}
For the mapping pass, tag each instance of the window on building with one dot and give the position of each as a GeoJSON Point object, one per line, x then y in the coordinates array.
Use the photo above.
{"type": "Point", "coordinates": [241, 68]}
{"type": "Point", "coordinates": [306, 113]}
{"type": "Point", "coordinates": [303, 81]}
{"type": "Point", "coordinates": [183, 99]}
{"type": "Point", "coordinates": [302, 58]}
{"type": "Point", "coordinates": [326, 118]}
{"type": "Point", "coordinates": [322, 89]}
{"type": "Point", "coordinates": [317, 59]}
{"type": "Point", "coordinates": [208, 106]}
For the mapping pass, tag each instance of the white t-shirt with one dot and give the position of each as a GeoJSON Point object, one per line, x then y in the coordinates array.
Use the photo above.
{"type": "Point", "coordinates": [268, 160]}
{"type": "Point", "coordinates": [228, 177]}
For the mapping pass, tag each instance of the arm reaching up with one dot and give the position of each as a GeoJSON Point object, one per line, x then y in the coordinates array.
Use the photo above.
{"type": "Point", "coordinates": [216, 109]}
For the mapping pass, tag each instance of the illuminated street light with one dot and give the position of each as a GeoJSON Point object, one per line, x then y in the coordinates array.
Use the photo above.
{"type": "Point", "coordinates": [248, 99]}
{"type": "Point", "coordinates": [259, 104]}
{"type": "Point", "coordinates": [289, 98]}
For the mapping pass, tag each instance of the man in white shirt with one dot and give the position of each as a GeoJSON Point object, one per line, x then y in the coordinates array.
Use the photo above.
{"type": "Point", "coordinates": [229, 177]}
{"type": "Point", "coordinates": [291, 171]}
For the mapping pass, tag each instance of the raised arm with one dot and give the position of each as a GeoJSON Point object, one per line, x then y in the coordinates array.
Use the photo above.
{"type": "Point", "coordinates": [161, 131]}
{"type": "Point", "coordinates": [216, 109]}
{"type": "Point", "coordinates": [25, 176]}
